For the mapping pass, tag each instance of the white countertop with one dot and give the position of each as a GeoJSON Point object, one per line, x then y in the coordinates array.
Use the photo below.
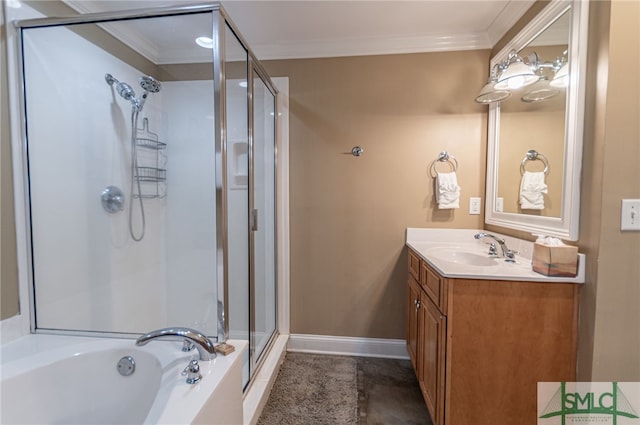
{"type": "Point", "coordinates": [427, 243]}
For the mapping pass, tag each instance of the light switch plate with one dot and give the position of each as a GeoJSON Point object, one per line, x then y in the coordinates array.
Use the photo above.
{"type": "Point", "coordinates": [630, 214]}
{"type": "Point", "coordinates": [499, 204]}
{"type": "Point", "coordinates": [475, 205]}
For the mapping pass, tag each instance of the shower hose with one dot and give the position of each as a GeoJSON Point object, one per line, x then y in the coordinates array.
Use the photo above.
{"type": "Point", "coordinates": [135, 180]}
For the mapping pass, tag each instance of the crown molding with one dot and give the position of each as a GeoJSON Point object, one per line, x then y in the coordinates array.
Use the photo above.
{"type": "Point", "coordinates": [507, 18]}
{"type": "Point", "coordinates": [359, 46]}
{"type": "Point", "coordinates": [371, 46]}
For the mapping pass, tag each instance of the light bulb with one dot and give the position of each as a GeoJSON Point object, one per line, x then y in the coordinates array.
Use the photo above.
{"type": "Point", "coordinates": [515, 82]}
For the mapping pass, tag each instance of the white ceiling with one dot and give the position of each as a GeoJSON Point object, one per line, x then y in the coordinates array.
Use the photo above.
{"type": "Point", "coordinates": [308, 28]}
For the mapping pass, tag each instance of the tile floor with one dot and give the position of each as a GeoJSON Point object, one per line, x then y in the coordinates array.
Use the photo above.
{"type": "Point", "coordinates": [389, 394]}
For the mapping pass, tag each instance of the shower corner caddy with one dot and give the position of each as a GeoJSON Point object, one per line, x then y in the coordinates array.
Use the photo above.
{"type": "Point", "coordinates": [150, 168]}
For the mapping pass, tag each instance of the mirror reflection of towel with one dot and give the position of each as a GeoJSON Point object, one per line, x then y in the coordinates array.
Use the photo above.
{"type": "Point", "coordinates": [532, 190]}
{"type": "Point", "coordinates": [447, 191]}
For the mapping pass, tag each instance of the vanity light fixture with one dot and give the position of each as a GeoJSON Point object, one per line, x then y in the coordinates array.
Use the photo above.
{"type": "Point", "coordinates": [516, 74]}
{"type": "Point", "coordinates": [489, 93]}
{"type": "Point", "coordinates": [206, 42]}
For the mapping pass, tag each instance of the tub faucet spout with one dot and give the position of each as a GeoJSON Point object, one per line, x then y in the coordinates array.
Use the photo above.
{"type": "Point", "coordinates": [205, 347]}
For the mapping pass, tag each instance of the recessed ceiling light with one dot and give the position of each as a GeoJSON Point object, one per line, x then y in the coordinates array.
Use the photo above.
{"type": "Point", "coordinates": [205, 42]}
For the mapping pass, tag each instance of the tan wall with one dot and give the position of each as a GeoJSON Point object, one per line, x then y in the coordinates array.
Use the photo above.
{"type": "Point", "coordinates": [610, 317]}
{"type": "Point", "coordinates": [8, 263]}
{"type": "Point", "coordinates": [348, 215]}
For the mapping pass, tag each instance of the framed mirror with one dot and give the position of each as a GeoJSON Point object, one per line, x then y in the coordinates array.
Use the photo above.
{"type": "Point", "coordinates": [535, 135]}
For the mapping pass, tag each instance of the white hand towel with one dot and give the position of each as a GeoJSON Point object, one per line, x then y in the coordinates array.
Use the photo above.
{"type": "Point", "coordinates": [447, 191]}
{"type": "Point", "coordinates": [532, 190]}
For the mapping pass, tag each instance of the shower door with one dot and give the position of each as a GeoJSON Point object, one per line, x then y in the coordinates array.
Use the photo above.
{"type": "Point", "coordinates": [264, 217]}
{"type": "Point", "coordinates": [236, 60]}
{"type": "Point", "coordinates": [251, 257]}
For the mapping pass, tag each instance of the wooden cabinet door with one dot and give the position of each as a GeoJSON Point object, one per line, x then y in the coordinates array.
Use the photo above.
{"type": "Point", "coordinates": [432, 357]}
{"type": "Point", "coordinates": [413, 305]}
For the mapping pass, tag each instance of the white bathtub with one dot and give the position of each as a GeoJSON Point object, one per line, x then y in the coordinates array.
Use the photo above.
{"type": "Point", "coordinates": [52, 379]}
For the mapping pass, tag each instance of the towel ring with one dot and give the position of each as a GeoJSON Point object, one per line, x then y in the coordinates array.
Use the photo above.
{"type": "Point", "coordinates": [533, 155]}
{"type": "Point", "coordinates": [444, 156]}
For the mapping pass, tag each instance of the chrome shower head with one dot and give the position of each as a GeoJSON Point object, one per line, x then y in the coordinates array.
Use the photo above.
{"type": "Point", "coordinates": [150, 84]}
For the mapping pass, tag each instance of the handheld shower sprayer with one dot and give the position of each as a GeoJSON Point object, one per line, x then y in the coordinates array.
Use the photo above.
{"type": "Point", "coordinates": [149, 85]}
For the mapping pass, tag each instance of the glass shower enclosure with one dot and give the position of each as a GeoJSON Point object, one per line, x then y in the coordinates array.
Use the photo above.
{"type": "Point", "coordinates": [149, 156]}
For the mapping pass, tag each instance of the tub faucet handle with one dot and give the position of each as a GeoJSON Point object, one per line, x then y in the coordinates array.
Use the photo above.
{"type": "Point", "coordinates": [192, 372]}
{"type": "Point", "coordinates": [187, 345]}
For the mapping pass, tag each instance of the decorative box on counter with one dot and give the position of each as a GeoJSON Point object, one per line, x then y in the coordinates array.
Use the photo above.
{"type": "Point", "coordinates": [555, 259]}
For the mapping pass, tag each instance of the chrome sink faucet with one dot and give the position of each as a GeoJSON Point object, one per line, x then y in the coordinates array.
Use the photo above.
{"type": "Point", "coordinates": [190, 337]}
{"type": "Point", "coordinates": [508, 254]}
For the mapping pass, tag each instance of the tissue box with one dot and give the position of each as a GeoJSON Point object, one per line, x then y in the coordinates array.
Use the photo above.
{"type": "Point", "coordinates": [559, 261]}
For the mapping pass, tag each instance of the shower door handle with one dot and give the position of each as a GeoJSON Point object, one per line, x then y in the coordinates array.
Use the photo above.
{"type": "Point", "coordinates": [254, 220]}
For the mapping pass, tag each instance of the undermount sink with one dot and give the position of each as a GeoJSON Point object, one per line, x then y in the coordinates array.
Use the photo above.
{"type": "Point", "coordinates": [462, 257]}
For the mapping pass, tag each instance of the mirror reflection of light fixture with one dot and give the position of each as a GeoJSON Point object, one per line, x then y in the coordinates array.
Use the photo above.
{"type": "Point", "coordinates": [540, 91]}
{"type": "Point", "coordinates": [561, 79]}
{"type": "Point", "coordinates": [489, 93]}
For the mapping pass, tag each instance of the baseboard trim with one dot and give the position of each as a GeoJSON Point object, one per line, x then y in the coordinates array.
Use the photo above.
{"type": "Point", "coordinates": [349, 346]}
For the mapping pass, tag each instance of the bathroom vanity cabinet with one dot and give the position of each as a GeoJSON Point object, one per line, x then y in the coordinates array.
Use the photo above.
{"type": "Point", "coordinates": [479, 347]}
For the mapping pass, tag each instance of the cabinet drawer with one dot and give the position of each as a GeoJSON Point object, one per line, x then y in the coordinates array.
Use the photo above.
{"type": "Point", "coordinates": [432, 284]}
{"type": "Point", "coordinates": [414, 265]}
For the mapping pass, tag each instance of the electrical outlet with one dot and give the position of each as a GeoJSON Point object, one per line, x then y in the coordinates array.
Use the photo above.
{"type": "Point", "coordinates": [475, 205]}
{"type": "Point", "coordinates": [499, 204]}
{"type": "Point", "coordinates": [630, 214]}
